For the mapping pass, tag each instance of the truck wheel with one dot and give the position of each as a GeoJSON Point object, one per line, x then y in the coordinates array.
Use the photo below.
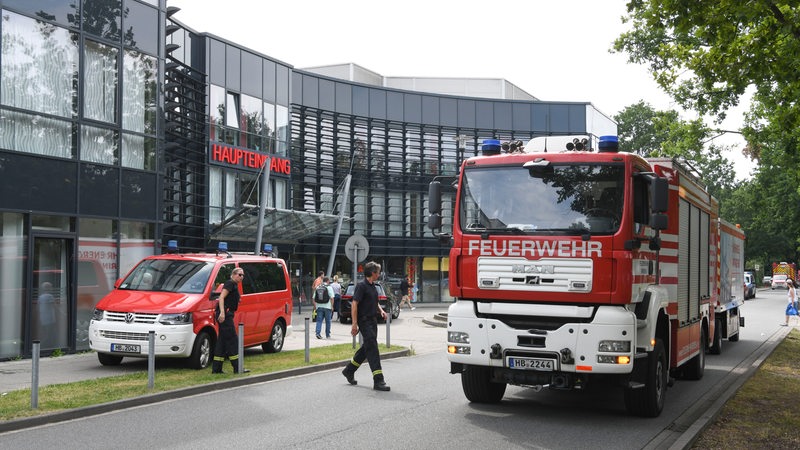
{"type": "Point", "coordinates": [478, 388]}
{"type": "Point", "coordinates": [201, 351]}
{"type": "Point", "coordinates": [109, 360]}
{"type": "Point", "coordinates": [276, 339]}
{"type": "Point", "coordinates": [716, 346]}
{"type": "Point", "coordinates": [694, 369]}
{"type": "Point", "coordinates": [648, 401]}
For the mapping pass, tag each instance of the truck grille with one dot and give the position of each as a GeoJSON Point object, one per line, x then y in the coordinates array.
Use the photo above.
{"type": "Point", "coordinates": [544, 275]}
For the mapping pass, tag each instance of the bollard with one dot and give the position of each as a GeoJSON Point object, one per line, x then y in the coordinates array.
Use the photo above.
{"type": "Point", "coordinates": [241, 347]}
{"type": "Point", "coordinates": [35, 375]}
{"type": "Point", "coordinates": [388, 330]}
{"type": "Point", "coordinates": [151, 360]}
{"type": "Point", "coordinates": [308, 339]}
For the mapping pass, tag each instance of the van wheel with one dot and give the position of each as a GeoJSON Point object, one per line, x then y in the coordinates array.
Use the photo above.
{"type": "Point", "coordinates": [109, 360]}
{"type": "Point", "coordinates": [276, 338]}
{"type": "Point", "coordinates": [201, 352]}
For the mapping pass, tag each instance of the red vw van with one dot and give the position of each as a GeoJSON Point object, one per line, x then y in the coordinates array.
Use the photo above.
{"type": "Point", "coordinates": [175, 296]}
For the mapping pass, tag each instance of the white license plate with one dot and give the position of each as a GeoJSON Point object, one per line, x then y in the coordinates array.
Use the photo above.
{"type": "Point", "coordinates": [125, 348]}
{"type": "Point", "coordinates": [544, 365]}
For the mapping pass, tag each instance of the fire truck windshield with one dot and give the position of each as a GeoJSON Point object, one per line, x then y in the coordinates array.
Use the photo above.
{"type": "Point", "coordinates": [570, 199]}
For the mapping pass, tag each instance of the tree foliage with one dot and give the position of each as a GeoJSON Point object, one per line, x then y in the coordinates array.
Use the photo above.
{"type": "Point", "coordinates": [652, 133]}
{"type": "Point", "coordinates": [705, 55]}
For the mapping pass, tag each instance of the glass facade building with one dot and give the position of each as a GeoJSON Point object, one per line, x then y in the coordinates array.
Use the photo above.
{"type": "Point", "coordinates": [122, 129]}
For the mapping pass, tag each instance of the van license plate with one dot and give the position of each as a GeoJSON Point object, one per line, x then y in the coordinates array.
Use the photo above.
{"type": "Point", "coordinates": [544, 365]}
{"type": "Point", "coordinates": [125, 348]}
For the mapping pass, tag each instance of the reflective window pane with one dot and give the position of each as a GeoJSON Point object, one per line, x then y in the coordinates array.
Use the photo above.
{"type": "Point", "coordinates": [99, 145]}
{"type": "Point", "coordinates": [60, 11]}
{"type": "Point", "coordinates": [39, 66]}
{"type": "Point", "coordinates": [141, 25]}
{"type": "Point", "coordinates": [100, 82]}
{"type": "Point", "coordinates": [36, 134]}
{"type": "Point", "coordinates": [103, 18]}
{"type": "Point", "coordinates": [140, 92]}
{"type": "Point", "coordinates": [138, 152]}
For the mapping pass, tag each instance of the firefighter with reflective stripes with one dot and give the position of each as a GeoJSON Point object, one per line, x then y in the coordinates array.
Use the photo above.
{"type": "Point", "coordinates": [227, 342]}
{"type": "Point", "coordinates": [364, 312]}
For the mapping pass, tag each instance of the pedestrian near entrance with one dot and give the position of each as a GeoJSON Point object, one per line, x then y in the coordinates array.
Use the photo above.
{"type": "Point", "coordinates": [791, 298]}
{"type": "Point", "coordinates": [324, 308]}
{"type": "Point", "coordinates": [405, 294]}
{"type": "Point", "coordinates": [364, 312]}
{"type": "Point", "coordinates": [337, 296]}
{"type": "Point", "coordinates": [227, 342]}
{"type": "Point", "coordinates": [317, 281]}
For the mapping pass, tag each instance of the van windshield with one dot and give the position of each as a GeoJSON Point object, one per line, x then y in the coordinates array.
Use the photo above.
{"type": "Point", "coordinates": [168, 275]}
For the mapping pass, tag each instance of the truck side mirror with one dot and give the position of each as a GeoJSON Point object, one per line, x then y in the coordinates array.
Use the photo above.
{"type": "Point", "coordinates": [659, 195]}
{"type": "Point", "coordinates": [658, 221]}
{"type": "Point", "coordinates": [435, 221]}
{"type": "Point", "coordinates": [435, 197]}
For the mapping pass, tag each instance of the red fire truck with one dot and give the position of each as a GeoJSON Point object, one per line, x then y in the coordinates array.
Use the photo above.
{"type": "Point", "coordinates": [569, 267]}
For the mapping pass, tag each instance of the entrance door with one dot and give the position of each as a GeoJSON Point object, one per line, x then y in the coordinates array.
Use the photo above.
{"type": "Point", "coordinates": [296, 275]}
{"type": "Point", "coordinates": [52, 299]}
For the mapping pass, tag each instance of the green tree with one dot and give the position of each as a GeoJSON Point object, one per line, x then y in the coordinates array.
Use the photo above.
{"type": "Point", "coordinates": [652, 133]}
{"type": "Point", "coordinates": [705, 54]}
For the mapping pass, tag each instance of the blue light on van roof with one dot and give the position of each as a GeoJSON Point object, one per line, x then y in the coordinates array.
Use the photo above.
{"type": "Point", "coordinates": [172, 245]}
{"type": "Point", "coordinates": [267, 248]}
{"type": "Point", "coordinates": [222, 246]}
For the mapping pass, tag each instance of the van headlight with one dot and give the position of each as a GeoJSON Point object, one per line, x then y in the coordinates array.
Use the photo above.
{"type": "Point", "coordinates": [176, 319]}
{"type": "Point", "coordinates": [97, 314]}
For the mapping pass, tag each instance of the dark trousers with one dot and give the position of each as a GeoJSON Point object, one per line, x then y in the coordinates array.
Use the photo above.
{"type": "Point", "coordinates": [227, 345]}
{"type": "Point", "coordinates": [369, 349]}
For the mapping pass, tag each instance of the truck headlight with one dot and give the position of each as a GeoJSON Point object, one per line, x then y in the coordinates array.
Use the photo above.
{"type": "Point", "coordinates": [176, 319]}
{"type": "Point", "coordinates": [458, 337]}
{"type": "Point", "coordinates": [97, 314]}
{"type": "Point", "coordinates": [615, 346]}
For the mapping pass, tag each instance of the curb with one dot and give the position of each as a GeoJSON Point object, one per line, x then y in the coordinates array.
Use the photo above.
{"type": "Point", "coordinates": [87, 411]}
{"type": "Point", "coordinates": [439, 320]}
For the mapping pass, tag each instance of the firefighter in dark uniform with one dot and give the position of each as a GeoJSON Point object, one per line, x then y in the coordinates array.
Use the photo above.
{"type": "Point", "coordinates": [227, 344]}
{"type": "Point", "coordinates": [365, 311]}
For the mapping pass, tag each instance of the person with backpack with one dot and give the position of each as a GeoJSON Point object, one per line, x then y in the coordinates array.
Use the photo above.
{"type": "Point", "coordinates": [323, 295]}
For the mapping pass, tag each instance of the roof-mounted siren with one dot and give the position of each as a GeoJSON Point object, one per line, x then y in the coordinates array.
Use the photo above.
{"type": "Point", "coordinates": [608, 144]}
{"type": "Point", "coordinates": [222, 247]}
{"type": "Point", "coordinates": [172, 246]}
{"type": "Point", "coordinates": [578, 144]}
{"type": "Point", "coordinates": [267, 251]}
{"type": "Point", "coordinates": [491, 147]}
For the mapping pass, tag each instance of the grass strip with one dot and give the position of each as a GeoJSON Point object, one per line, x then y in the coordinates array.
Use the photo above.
{"type": "Point", "coordinates": [763, 413]}
{"type": "Point", "coordinates": [59, 397]}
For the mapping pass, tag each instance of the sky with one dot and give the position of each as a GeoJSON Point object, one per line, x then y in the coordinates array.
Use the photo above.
{"type": "Point", "coordinates": [556, 50]}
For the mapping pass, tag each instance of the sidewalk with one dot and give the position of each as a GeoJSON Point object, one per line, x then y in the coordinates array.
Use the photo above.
{"type": "Point", "coordinates": [408, 331]}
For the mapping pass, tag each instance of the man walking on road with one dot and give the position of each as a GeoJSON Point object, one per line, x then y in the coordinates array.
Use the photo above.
{"type": "Point", "coordinates": [364, 313]}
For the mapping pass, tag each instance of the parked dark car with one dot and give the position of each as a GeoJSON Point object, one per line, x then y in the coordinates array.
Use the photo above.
{"type": "Point", "coordinates": [387, 303]}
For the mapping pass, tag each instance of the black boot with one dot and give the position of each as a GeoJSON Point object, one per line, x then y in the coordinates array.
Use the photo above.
{"type": "Point", "coordinates": [349, 375]}
{"type": "Point", "coordinates": [216, 367]}
{"type": "Point", "coordinates": [381, 385]}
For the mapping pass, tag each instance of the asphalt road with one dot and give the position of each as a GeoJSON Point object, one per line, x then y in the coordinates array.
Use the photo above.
{"type": "Point", "coordinates": [425, 408]}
